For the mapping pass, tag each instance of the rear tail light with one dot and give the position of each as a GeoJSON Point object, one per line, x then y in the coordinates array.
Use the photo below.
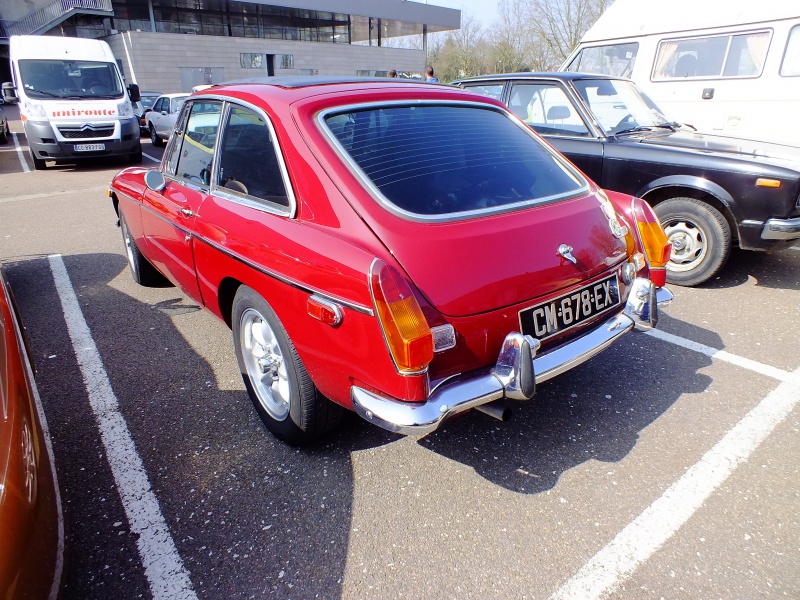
{"type": "Point", "coordinates": [405, 329]}
{"type": "Point", "coordinates": [657, 247]}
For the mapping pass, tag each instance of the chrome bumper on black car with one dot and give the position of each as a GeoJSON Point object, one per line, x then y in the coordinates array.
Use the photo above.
{"type": "Point", "coordinates": [781, 229]}
{"type": "Point", "coordinates": [516, 373]}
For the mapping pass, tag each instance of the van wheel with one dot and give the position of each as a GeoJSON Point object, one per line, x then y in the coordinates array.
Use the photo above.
{"type": "Point", "coordinates": [700, 236]}
{"type": "Point", "coordinates": [277, 382]}
{"type": "Point", "coordinates": [38, 163]}
{"type": "Point", "coordinates": [157, 141]}
{"type": "Point", "coordinates": [136, 157]}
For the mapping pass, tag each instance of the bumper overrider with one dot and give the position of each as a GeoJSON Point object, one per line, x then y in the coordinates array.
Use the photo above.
{"type": "Point", "coordinates": [516, 373]}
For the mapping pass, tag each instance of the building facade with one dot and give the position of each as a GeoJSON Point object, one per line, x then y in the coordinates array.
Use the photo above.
{"type": "Point", "coordinates": [173, 45]}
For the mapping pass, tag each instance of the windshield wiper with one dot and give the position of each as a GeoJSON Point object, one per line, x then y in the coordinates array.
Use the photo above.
{"type": "Point", "coordinates": [30, 89]}
{"type": "Point", "coordinates": [680, 125]}
{"type": "Point", "coordinates": [636, 129]}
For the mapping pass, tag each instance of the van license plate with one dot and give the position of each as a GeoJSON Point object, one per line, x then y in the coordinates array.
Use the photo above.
{"type": "Point", "coordinates": [569, 310]}
{"type": "Point", "coordinates": [89, 147]}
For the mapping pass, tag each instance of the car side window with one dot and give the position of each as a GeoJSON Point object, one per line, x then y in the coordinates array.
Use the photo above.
{"type": "Point", "coordinates": [492, 90]}
{"type": "Point", "coordinates": [248, 159]}
{"type": "Point", "coordinates": [157, 106]}
{"type": "Point", "coordinates": [547, 109]}
{"type": "Point", "coordinates": [791, 59]}
{"type": "Point", "coordinates": [173, 150]}
{"type": "Point", "coordinates": [614, 59]}
{"type": "Point", "coordinates": [197, 146]}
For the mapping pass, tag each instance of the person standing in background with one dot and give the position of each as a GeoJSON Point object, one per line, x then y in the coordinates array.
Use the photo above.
{"type": "Point", "coordinates": [392, 73]}
{"type": "Point", "coordinates": [429, 75]}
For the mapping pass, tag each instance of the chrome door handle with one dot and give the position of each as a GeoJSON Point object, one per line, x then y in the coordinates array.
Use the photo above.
{"type": "Point", "coordinates": [187, 212]}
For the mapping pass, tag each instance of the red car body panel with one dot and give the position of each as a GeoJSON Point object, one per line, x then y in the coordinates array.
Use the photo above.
{"type": "Point", "coordinates": [31, 527]}
{"type": "Point", "coordinates": [475, 274]}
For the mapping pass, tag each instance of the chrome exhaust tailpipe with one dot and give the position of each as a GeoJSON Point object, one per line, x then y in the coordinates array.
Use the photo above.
{"type": "Point", "coordinates": [498, 410]}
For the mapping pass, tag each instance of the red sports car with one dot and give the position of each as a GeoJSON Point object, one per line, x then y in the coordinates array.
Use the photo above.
{"type": "Point", "coordinates": [404, 250]}
{"type": "Point", "coordinates": [31, 525]}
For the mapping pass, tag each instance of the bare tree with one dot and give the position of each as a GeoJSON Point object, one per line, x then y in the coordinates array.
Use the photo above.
{"type": "Point", "coordinates": [510, 39]}
{"type": "Point", "coordinates": [560, 24]}
{"type": "Point", "coordinates": [462, 52]}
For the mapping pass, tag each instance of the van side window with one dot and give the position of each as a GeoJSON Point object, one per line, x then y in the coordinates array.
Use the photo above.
{"type": "Point", "coordinates": [739, 55]}
{"type": "Point", "coordinates": [248, 159]}
{"type": "Point", "coordinates": [547, 109]}
{"type": "Point", "coordinates": [614, 59]}
{"type": "Point", "coordinates": [791, 60]}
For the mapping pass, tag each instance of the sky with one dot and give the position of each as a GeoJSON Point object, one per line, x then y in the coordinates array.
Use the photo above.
{"type": "Point", "coordinates": [483, 10]}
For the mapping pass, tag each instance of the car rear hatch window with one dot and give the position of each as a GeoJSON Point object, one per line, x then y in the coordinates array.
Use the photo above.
{"type": "Point", "coordinates": [446, 162]}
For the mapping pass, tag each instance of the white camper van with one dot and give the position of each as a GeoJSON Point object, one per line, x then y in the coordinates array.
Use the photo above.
{"type": "Point", "coordinates": [72, 100]}
{"type": "Point", "coordinates": [728, 67]}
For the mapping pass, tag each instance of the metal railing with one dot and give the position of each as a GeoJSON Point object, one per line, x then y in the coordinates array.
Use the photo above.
{"type": "Point", "coordinates": [53, 13]}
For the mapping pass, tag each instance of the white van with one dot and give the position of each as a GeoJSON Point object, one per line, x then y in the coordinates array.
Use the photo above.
{"type": "Point", "coordinates": [728, 67]}
{"type": "Point", "coordinates": [72, 100]}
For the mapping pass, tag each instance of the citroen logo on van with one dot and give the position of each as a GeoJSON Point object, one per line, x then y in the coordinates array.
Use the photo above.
{"type": "Point", "coordinates": [566, 252]}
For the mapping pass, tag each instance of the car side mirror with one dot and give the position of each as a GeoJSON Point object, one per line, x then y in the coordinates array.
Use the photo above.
{"type": "Point", "coordinates": [9, 93]}
{"type": "Point", "coordinates": [154, 180]}
{"type": "Point", "coordinates": [133, 92]}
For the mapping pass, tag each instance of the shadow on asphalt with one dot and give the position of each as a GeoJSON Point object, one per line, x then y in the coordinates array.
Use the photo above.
{"type": "Point", "coordinates": [593, 412]}
{"type": "Point", "coordinates": [250, 516]}
{"type": "Point", "coordinates": [779, 270]}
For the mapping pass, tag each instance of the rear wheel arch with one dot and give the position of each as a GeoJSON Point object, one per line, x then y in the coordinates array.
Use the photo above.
{"type": "Point", "coordinates": [656, 196]}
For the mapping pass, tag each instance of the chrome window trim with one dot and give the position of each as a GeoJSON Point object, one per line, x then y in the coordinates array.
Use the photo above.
{"type": "Point", "coordinates": [224, 193]}
{"type": "Point", "coordinates": [583, 190]}
{"type": "Point", "coordinates": [246, 199]}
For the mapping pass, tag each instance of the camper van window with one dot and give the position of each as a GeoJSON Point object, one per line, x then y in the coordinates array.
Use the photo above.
{"type": "Point", "coordinates": [73, 79]}
{"type": "Point", "coordinates": [740, 55]}
{"type": "Point", "coordinates": [791, 60]}
{"type": "Point", "coordinates": [614, 59]}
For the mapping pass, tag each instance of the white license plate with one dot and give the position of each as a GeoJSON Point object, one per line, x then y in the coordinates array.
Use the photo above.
{"type": "Point", "coordinates": [569, 310]}
{"type": "Point", "coordinates": [89, 147]}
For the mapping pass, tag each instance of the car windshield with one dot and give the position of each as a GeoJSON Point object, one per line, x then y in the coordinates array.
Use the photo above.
{"type": "Point", "coordinates": [147, 101]}
{"type": "Point", "coordinates": [437, 160]}
{"type": "Point", "coordinates": [70, 79]}
{"type": "Point", "coordinates": [620, 106]}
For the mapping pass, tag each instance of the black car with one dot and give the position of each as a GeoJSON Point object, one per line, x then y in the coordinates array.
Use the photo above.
{"type": "Point", "coordinates": [710, 192]}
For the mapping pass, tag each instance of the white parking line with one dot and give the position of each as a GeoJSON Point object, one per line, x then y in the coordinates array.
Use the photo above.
{"type": "Point", "coordinates": [163, 566]}
{"type": "Point", "coordinates": [20, 153]}
{"type": "Point", "coordinates": [662, 519]}
{"type": "Point", "coordinates": [153, 158]}
{"type": "Point", "coordinates": [739, 361]}
{"type": "Point", "coordinates": [794, 248]}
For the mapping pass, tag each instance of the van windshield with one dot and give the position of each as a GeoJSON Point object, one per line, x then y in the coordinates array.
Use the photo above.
{"type": "Point", "coordinates": [73, 79]}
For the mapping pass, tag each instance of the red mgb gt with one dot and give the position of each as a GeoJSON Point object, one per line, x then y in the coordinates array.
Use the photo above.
{"type": "Point", "coordinates": [404, 250]}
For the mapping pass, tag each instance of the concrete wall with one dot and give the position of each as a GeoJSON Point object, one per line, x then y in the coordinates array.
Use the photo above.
{"type": "Point", "coordinates": [154, 60]}
{"type": "Point", "coordinates": [14, 10]}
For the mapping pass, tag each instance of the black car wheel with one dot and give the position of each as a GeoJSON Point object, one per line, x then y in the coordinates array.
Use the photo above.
{"type": "Point", "coordinates": [5, 133]}
{"type": "Point", "coordinates": [157, 141]}
{"type": "Point", "coordinates": [279, 386]}
{"type": "Point", "coordinates": [142, 271]}
{"type": "Point", "coordinates": [38, 163]}
{"type": "Point", "coordinates": [700, 236]}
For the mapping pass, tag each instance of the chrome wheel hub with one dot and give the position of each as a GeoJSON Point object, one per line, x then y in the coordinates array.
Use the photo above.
{"type": "Point", "coordinates": [689, 244]}
{"type": "Point", "coordinates": [265, 364]}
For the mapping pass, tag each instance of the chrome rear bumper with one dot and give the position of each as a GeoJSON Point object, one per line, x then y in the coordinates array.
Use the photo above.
{"type": "Point", "coordinates": [516, 373]}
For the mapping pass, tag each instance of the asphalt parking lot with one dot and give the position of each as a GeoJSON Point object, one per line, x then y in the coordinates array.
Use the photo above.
{"type": "Point", "coordinates": [666, 467]}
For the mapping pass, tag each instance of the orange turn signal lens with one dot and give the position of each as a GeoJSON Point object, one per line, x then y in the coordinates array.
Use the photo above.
{"type": "Point", "coordinates": [404, 326]}
{"type": "Point", "coordinates": [769, 183]}
{"type": "Point", "coordinates": [657, 247]}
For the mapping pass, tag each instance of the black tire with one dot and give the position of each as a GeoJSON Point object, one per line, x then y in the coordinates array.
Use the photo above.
{"type": "Point", "coordinates": [38, 163]}
{"type": "Point", "coordinates": [278, 384]}
{"type": "Point", "coordinates": [700, 236]}
{"type": "Point", "coordinates": [142, 272]}
{"type": "Point", "coordinates": [4, 135]}
{"type": "Point", "coordinates": [157, 141]}
{"type": "Point", "coordinates": [136, 157]}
